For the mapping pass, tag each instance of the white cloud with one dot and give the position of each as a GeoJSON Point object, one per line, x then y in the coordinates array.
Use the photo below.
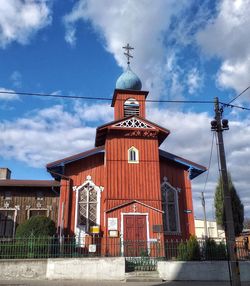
{"type": "Point", "coordinates": [16, 78]}
{"type": "Point", "coordinates": [226, 37]}
{"type": "Point", "coordinates": [44, 135]}
{"type": "Point", "coordinates": [53, 133]}
{"type": "Point", "coordinates": [194, 80]}
{"type": "Point", "coordinates": [94, 112]}
{"type": "Point", "coordinates": [7, 94]}
{"type": "Point", "coordinates": [191, 138]}
{"type": "Point", "coordinates": [143, 24]}
{"type": "Point", "coordinates": [20, 19]}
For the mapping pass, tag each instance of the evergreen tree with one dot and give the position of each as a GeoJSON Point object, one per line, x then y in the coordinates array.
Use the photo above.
{"type": "Point", "coordinates": [237, 206]}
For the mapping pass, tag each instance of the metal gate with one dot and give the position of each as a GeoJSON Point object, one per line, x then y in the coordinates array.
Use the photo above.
{"type": "Point", "coordinates": [142, 255]}
{"type": "Point", "coordinates": [141, 264]}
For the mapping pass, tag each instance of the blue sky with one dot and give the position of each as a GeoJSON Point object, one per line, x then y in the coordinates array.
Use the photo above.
{"type": "Point", "coordinates": [184, 50]}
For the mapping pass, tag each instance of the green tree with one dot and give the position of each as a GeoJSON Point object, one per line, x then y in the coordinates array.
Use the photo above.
{"type": "Point", "coordinates": [237, 206]}
{"type": "Point", "coordinates": [36, 226]}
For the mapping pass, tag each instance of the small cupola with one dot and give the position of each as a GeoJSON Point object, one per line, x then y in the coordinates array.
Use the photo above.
{"type": "Point", "coordinates": [129, 99]}
{"type": "Point", "coordinates": [128, 80]}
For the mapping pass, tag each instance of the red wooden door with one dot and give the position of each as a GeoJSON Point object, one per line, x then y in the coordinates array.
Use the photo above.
{"type": "Point", "coordinates": [135, 235]}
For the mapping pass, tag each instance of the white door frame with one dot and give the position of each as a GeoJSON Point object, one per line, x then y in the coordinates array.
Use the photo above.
{"type": "Point", "coordinates": [122, 229]}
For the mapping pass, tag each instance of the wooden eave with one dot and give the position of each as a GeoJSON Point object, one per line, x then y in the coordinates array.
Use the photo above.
{"type": "Point", "coordinates": [29, 183]}
{"type": "Point", "coordinates": [75, 157]}
{"type": "Point", "coordinates": [132, 202]}
{"type": "Point", "coordinates": [127, 91]}
{"type": "Point", "coordinates": [102, 131]}
{"type": "Point", "coordinates": [193, 168]}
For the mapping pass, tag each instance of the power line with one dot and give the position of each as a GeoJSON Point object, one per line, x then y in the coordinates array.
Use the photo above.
{"type": "Point", "coordinates": [209, 163]}
{"type": "Point", "coordinates": [239, 94]}
{"type": "Point", "coordinates": [236, 106]}
{"type": "Point", "coordinates": [100, 98]}
{"type": "Point", "coordinates": [110, 99]}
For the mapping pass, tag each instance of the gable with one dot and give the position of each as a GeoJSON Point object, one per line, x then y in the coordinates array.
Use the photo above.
{"type": "Point", "coordinates": [130, 123]}
{"type": "Point", "coordinates": [130, 203]}
{"type": "Point", "coordinates": [133, 122]}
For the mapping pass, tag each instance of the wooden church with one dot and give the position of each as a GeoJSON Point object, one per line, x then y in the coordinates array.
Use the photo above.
{"type": "Point", "coordinates": [126, 187]}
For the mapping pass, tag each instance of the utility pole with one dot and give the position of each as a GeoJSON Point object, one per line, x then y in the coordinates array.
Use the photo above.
{"type": "Point", "coordinates": [204, 214]}
{"type": "Point", "coordinates": [219, 125]}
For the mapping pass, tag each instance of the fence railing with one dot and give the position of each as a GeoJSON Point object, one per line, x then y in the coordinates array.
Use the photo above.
{"type": "Point", "coordinates": [55, 247]}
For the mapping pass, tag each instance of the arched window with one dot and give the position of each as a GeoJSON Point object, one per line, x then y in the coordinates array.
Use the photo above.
{"type": "Point", "coordinates": [87, 212]}
{"type": "Point", "coordinates": [131, 107]}
{"type": "Point", "coordinates": [133, 155]}
{"type": "Point", "coordinates": [88, 197]}
{"type": "Point", "coordinates": [170, 207]}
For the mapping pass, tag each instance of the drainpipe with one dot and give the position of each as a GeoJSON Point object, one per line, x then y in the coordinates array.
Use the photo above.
{"type": "Point", "coordinates": [66, 205]}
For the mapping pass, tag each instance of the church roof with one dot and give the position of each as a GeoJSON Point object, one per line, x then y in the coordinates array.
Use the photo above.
{"type": "Point", "coordinates": [193, 168]}
{"type": "Point", "coordinates": [132, 122]}
{"type": "Point", "coordinates": [129, 80]}
{"type": "Point", "coordinates": [29, 183]}
{"type": "Point", "coordinates": [57, 166]}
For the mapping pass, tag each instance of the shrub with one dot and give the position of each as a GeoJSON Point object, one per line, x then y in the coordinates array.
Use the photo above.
{"type": "Point", "coordinates": [189, 250]}
{"type": "Point", "coordinates": [36, 226]}
{"type": "Point", "coordinates": [214, 251]}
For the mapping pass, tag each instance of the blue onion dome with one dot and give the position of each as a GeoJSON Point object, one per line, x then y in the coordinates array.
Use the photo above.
{"type": "Point", "coordinates": [128, 80]}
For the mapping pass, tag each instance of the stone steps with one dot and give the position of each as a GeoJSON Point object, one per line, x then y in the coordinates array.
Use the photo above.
{"type": "Point", "coordinates": [143, 276]}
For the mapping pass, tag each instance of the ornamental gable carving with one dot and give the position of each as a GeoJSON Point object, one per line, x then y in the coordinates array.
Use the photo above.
{"type": "Point", "coordinates": [133, 123]}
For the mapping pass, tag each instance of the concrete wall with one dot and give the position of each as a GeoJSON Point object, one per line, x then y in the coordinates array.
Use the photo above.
{"type": "Point", "coordinates": [200, 270]}
{"type": "Point", "coordinates": [23, 269]}
{"type": "Point", "coordinates": [77, 268]}
{"type": "Point", "coordinates": [112, 268]}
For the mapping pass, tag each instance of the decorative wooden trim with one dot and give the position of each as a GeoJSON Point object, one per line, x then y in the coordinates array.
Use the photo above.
{"type": "Point", "coordinates": [166, 185]}
{"type": "Point", "coordinates": [132, 202]}
{"type": "Point", "coordinates": [133, 123]}
{"type": "Point", "coordinates": [99, 189]}
{"type": "Point", "coordinates": [15, 209]}
{"type": "Point", "coordinates": [38, 208]}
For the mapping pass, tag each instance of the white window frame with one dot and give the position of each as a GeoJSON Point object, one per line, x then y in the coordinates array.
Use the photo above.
{"type": "Point", "coordinates": [136, 153]}
{"type": "Point", "coordinates": [81, 231]}
{"type": "Point", "coordinates": [15, 209]}
{"type": "Point", "coordinates": [165, 186]}
{"type": "Point", "coordinates": [29, 209]}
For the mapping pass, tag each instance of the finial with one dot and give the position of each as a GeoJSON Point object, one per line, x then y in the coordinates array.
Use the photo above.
{"type": "Point", "coordinates": [128, 48]}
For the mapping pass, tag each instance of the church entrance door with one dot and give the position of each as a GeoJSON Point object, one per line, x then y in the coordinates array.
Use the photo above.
{"type": "Point", "coordinates": [135, 235]}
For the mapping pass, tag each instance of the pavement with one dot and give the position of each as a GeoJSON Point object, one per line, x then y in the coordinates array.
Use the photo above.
{"type": "Point", "coordinates": [112, 283]}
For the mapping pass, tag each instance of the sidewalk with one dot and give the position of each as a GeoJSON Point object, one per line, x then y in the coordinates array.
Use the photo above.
{"type": "Point", "coordinates": [111, 283]}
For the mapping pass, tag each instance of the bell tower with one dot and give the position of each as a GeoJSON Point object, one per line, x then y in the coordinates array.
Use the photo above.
{"type": "Point", "coordinates": [128, 99]}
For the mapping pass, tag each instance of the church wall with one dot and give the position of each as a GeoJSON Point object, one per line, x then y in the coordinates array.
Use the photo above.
{"type": "Point", "coordinates": [77, 172]}
{"type": "Point", "coordinates": [154, 216]}
{"type": "Point", "coordinates": [127, 181]}
{"type": "Point", "coordinates": [179, 178]}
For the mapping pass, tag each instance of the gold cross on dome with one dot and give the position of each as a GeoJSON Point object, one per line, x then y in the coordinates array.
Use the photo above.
{"type": "Point", "coordinates": [128, 48]}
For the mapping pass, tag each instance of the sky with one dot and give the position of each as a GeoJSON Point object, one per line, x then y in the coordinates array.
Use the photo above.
{"type": "Point", "coordinates": [183, 50]}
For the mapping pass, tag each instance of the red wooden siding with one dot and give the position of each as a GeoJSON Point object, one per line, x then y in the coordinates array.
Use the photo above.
{"type": "Point", "coordinates": [77, 173]}
{"type": "Point", "coordinates": [119, 104]}
{"type": "Point", "coordinates": [126, 181]}
{"type": "Point", "coordinates": [178, 178]}
{"type": "Point", "coordinates": [154, 216]}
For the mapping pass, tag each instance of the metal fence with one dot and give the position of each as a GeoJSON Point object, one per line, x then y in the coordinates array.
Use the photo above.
{"type": "Point", "coordinates": [55, 247]}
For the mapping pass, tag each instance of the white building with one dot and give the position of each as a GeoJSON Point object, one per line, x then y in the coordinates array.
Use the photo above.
{"type": "Point", "coordinates": [213, 230]}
